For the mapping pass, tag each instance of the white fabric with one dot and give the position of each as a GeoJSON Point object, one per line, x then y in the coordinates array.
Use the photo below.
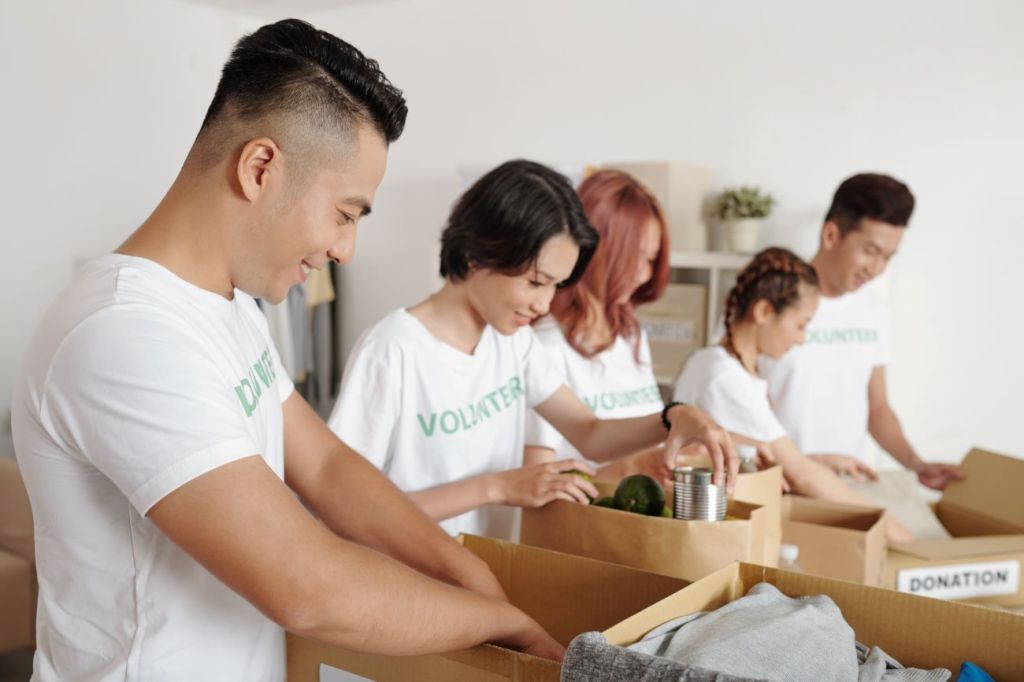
{"type": "Point", "coordinates": [612, 384]}
{"type": "Point", "coordinates": [719, 384]}
{"type": "Point", "coordinates": [820, 390]}
{"type": "Point", "coordinates": [135, 383]}
{"type": "Point", "coordinates": [427, 414]}
{"type": "Point", "coordinates": [279, 324]}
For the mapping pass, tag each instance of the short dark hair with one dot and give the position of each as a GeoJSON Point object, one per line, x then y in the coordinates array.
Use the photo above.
{"type": "Point", "coordinates": [503, 220]}
{"type": "Point", "coordinates": [290, 66]}
{"type": "Point", "coordinates": [873, 196]}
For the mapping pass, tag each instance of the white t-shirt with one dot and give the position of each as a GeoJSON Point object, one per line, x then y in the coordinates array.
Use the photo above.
{"type": "Point", "coordinates": [427, 414]}
{"type": "Point", "coordinates": [136, 383]}
{"type": "Point", "coordinates": [612, 384]}
{"type": "Point", "coordinates": [719, 384]}
{"type": "Point", "coordinates": [820, 390]}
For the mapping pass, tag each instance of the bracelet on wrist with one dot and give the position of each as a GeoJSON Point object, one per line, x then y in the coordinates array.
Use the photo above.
{"type": "Point", "coordinates": [664, 414]}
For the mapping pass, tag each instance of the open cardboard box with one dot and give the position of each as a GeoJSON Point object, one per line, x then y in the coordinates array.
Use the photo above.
{"type": "Point", "coordinates": [840, 541]}
{"type": "Point", "coordinates": [683, 549]}
{"type": "Point", "coordinates": [566, 594]}
{"type": "Point", "coordinates": [982, 562]}
{"type": "Point", "coordinates": [917, 632]}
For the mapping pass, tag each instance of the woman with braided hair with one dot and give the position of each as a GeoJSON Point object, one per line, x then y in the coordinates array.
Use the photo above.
{"type": "Point", "coordinates": [766, 313]}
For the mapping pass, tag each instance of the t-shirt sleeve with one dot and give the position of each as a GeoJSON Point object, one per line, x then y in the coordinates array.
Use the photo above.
{"type": "Point", "coordinates": [285, 387]}
{"type": "Point", "coordinates": [884, 334]}
{"type": "Point", "coordinates": [542, 377]}
{"type": "Point", "coordinates": [739, 407]}
{"type": "Point", "coordinates": [144, 401]}
{"type": "Point", "coordinates": [367, 409]}
{"type": "Point", "coordinates": [539, 432]}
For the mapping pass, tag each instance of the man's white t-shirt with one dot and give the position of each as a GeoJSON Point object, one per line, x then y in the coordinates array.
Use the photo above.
{"type": "Point", "coordinates": [427, 414]}
{"type": "Point", "coordinates": [820, 390]}
{"type": "Point", "coordinates": [716, 382]}
{"type": "Point", "coordinates": [612, 384]}
{"type": "Point", "coordinates": [136, 383]}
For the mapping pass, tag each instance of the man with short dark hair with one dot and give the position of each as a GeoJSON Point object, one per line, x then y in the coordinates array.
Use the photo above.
{"type": "Point", "coordinates": [831, 392]}
{"type": "Point", "coordinates": [165, 452]}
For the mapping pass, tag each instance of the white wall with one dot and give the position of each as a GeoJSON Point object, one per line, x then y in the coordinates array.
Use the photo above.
{"type": "Point", "coordinates": [100, 102]}
{"type": "Point", "coordinates": [791, 95]}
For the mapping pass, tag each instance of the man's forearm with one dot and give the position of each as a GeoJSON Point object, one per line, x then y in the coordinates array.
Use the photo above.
{"type": "Point", "coordinates": [884, 427]}
{"type": "Point", "coordinates": [366, 601]}
{"type": "Point", "coordinates": [356, 501]}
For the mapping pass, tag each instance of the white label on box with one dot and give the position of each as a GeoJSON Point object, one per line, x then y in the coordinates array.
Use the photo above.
{"type": "Point", "coordinates": [331, 674]}
{"type": "Point", "coordinates": [674, 331]}
{"type": "Point", "coordinates": [961, 581]}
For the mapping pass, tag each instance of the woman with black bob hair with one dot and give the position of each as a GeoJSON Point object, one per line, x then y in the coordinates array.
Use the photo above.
{"type": "Point", "coordinates": [436, 395]}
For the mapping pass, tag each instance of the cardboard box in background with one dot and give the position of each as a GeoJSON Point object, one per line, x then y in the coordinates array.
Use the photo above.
{"type": "Point", "coordinates": [567, 595]}
{"type": "Point", "coordinates": [840, 541]}
{"type": "Point", "coordinates": [684, 549]}
{"type": "Point", "coordinates": [982, 562]}
{"type": "Point", "coordinates": [917, 632]}
{"type": "Point", "coordinates": [682, 190]}
{"type": "Point", "coordinates": [18, 588]}
{"type": "Point", "coordinates": [675, 326]}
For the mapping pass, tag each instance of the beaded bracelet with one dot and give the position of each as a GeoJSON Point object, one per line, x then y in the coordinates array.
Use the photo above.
{"type": "Point", "coordinates": [664, 414]}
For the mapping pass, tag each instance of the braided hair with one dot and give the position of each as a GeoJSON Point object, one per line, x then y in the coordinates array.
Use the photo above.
{"type": "Point", "coordinates": [774, 275]}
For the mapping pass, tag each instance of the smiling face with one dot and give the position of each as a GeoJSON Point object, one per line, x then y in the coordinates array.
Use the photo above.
{"type": "Point", "coordinates": [301, 219]}
{"type": "Point", "coordinates": [846, 263]}
{"type": "Point", "coordinates": [508, 302]}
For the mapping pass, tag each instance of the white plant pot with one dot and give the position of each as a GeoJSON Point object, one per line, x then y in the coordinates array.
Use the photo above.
{"type": "Point", "coordinates": [742, 234]}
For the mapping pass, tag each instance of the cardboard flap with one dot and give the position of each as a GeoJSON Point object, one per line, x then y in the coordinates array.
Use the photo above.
{"type": "Point", "coordinates": [961, 547]}
{"type": "Point", "coordinates": [558, 590]}
{"type": "Point", "coordinates": [992, 489]}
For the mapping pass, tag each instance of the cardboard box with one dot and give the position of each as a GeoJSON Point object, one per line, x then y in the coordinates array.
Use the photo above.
{"type": "Point", "coordinates": [764, 489]}
{"type": "Point", "coordinates": [684, 549]}
{"type": "Point", "coordinates": [982, 562]}
{"type": "Point", "coordinates": [840, 541]}
{"type": "Point", "coordinates": [917, 632]}
{"type": "Point", "coordinates": [18, 588]}
{"type": "Point", "coordinates": [567, 595]}
{"type": "Point", "coordinates": [17, 602]}
{"type": "Point", "coordinates": [682, 190]}
{"type": "Point", "coordinates": [675, 326]}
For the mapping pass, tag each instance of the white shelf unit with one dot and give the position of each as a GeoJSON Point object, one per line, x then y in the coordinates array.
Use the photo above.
{"type": "Point", "coordinates": [717, 271]}
{"type": "Point", "coordinates": [714, 269]}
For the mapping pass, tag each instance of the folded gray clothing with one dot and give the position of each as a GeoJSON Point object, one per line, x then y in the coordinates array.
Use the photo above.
{"type": "Point", "coordinates": [590, 658]}
{"type": "Point", "coordinates": [875, 664]}
{"type": "Point", "coordinates": [766, 636]}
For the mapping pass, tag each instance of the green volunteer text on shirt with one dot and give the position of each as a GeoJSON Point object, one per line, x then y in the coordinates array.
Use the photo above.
{"type": "Point", "coordinates": [250, 389]}
{"type": "Point", "coordinates": [850, 336]}
{"type": "Point", "coordinates": [619, 399]}
{"type": "Point", "coordinates": [465, 418]}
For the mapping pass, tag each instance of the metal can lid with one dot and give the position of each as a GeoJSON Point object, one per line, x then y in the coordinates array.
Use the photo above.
{"type": "Point", "coordinates": [692, 475]}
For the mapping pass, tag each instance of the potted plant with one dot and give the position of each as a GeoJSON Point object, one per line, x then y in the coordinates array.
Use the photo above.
{"type": "Point", "coordinates": [741, 211]}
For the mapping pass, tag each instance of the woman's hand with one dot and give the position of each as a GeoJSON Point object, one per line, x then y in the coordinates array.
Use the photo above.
{"type": "Point", "coordinates": [690, 425]}
{"type": "Point", "coordinates": [849, 466]}
{"type": "Point", "coordinates": [537, 484]}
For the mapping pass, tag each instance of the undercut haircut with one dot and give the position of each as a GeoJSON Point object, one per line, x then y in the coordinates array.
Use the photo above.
{"type": "Point", "coordinates": [291, 72]}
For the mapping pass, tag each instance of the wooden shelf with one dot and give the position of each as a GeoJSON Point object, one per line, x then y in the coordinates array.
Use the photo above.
{"type": "Point", "coordinates": [710, 260]}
